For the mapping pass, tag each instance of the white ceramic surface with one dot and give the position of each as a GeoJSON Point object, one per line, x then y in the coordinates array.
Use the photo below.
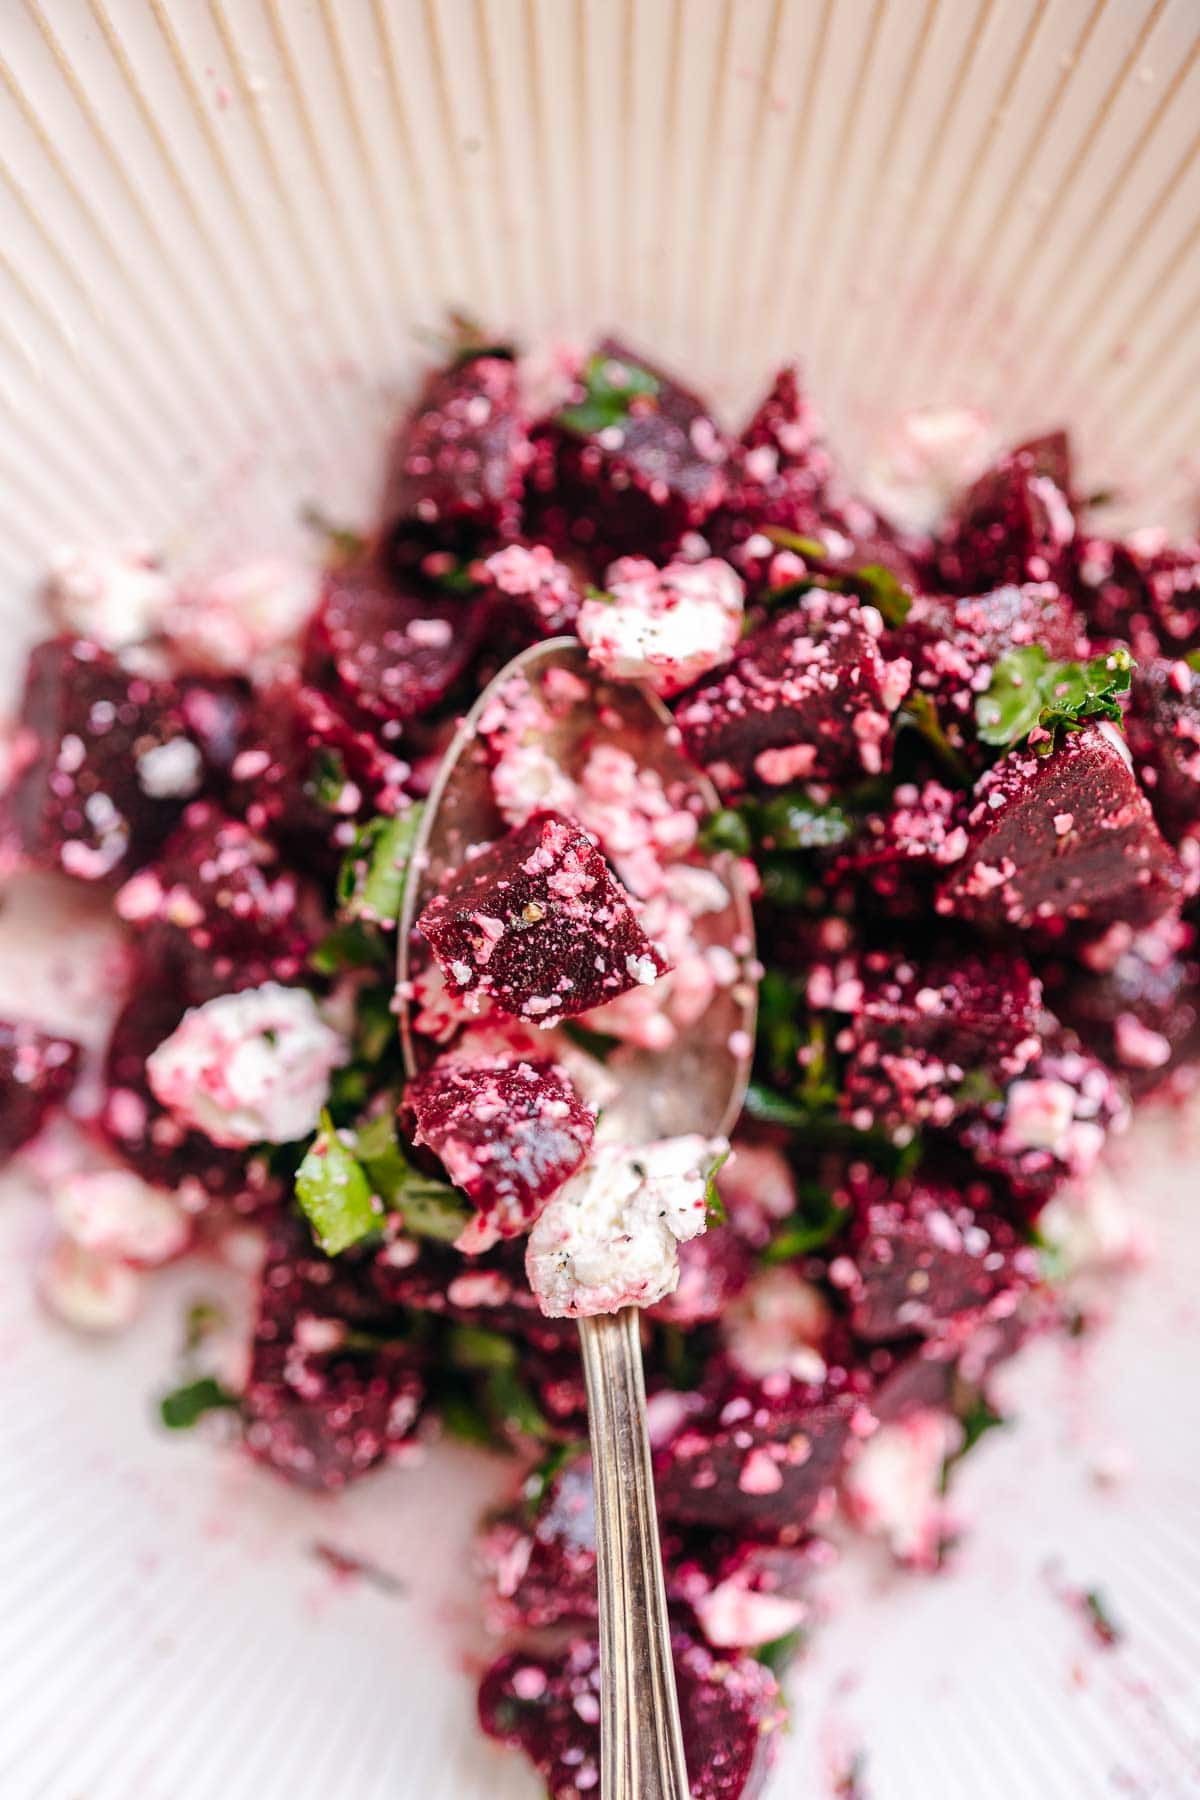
{"type": "Point", "coordinates": [223, 226]}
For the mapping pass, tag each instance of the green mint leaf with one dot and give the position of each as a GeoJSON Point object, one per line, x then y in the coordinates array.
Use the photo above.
{"type": "Point", "coordinates": [977, 1416]}
{"type": "Point", "coordinates": [201, 1321]}
{"type": "Point", "coordinates": [883, 589]}
{"type": "Point", "coordinates": [791, 821]}
{"type": "Point", "coordinates": [326, 778]}
{"type": "Point", "coordinates": [610, 388]}
{"type": "Point", "coordinates": [815, 1222]}
{"type": "Point", "coordinates": [180, 1409]}
{"type": "Point", "coordinates": [334, 1193]}
{"type": "Point", "coordinates": [597, 1044]}
{"type": "Point", "coordinates": [511, 1403]}
{"type": "Point", "coordinates": [428, 1207]}
{"type": "Point", "coordinates": [471, 1347]}
{"type": "Point", "coordinates": [810, 548]}
{"type": "Point", "coordinates": [1027, 690]}
{"type": "Point", "coordinates": [342, 544]}
{"type": "Point", "coordinates": [541, 1479]}
{"type": "Point", "coordinates": [727, 829]}
{"type": "Point", "coordinates": [714, 1206]}
{"type": "Point", "coordinates": [370, 883]}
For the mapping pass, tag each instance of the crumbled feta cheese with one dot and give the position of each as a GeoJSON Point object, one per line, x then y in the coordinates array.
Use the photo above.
{"type": "Point", "coordinates": [777, 1325]}
{"type": "Point", "coordinates": [244, 619]}
{"type": "Point", "coordinates": [115, 598]}
{"type": "Point", "coordinates": [666, 627]}
{"type": "Point", "coordinates": [735, 1615]}
{"type": "Point", "coordinates": [893, 1487]}
{"type": "Point", "coordinates": [248, 1068]}
{"type": "Point", "coordinates": [86, 1290]}
{"type": "Point", "coordinates": [1091, 1228]}
{"type": "Point", "coordinates": [929, 457]}
{"type": "Point", "coordinates": [170, 771]}
{"type": "Point", "coordinates": [114, 1213]}
{"type": "Point", "coordinates": [609, 1238]}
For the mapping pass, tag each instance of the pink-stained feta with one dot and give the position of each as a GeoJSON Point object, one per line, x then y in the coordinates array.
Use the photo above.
{"type": "Point", "coordinates": [245, 619]}
{"type": "Point", "coordinates": [1137, 1045]}
{"type": "Point", "coordinates": [88, 1291]}
{"type": "Point", "coordinates": [892, 1488]}
{"type": "Point", "coordinates": [928, 457]}
{"type": "Point", "coordinates": [114, 1213]}
{"type": "Point", "coordinates": [743, 1610]}
{"type": "Point", "coordinates": [667, 627]}
{"type": "Point", "coordinates": [777, 1326]}
{"type": "Point", "coordinates": [1039, 1115]}
{"type": "Point", "coordinates": [610, 1238]}
{"type": "Point", "coordinates": [248, 1068]}
{"type": "Point", "coordinates": [115, 598]}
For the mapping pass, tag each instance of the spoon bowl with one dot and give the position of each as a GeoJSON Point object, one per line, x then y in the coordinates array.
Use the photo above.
{"type": "Point", "coordinates": [697, 1084]}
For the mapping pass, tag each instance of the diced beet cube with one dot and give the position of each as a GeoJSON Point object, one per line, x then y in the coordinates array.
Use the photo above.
{"type": "Point", "coordinates": [549, 1707]}
{"type": "Point", "coordinates": [1063, 841]}
{"type": "Point", "coordinates": [508, 1133]}
{"type": "Point", "coordinates": [917, 1262]}
{"type": "Point", "coordinates": [215, 711]}
{"type": "Point", "coordinates": [318, 1412]}
{"type": "Point", "coordinates": [953, 644]}
{"type": "Point", "coordinates": [898, 853]}
{"type": "Point", "coordinates": [538, 925]}
{"type": "Point", "coordinates": [1143, 590]}
{"type": "Point", "coordinates": [760, 1458]}
{"type": "Point", "coordinates": [388, 654]}
{"type": "Point", "coordinates": [808, 697]}
{"type": "Point", "coordinates": [1015, 524]}
{"type": "Point", "coordinates": [1051, 1124]}
{"type": "Point", "coordinates": [459, 459]}
{"type": "Point", "coordinates": [146, 1137]}
{"type": "Point", "coordinates": [302, 766]}
{"type": "Point", "coordinates": [216, 910]}
{"type": "Point", "coordinates": [1163, 724]}
{"type": "Point", "coordinates": [633, 485]}
{"type": "Point", "coordinates": [528, 581]}
{"type": "Point", "coordinates": [103, 764]}
{"type": "Point", "coordinates": [37, 1072]}
{"type": "Point", "coordinates": [1137, 1004]}
{"type": "Point", "coordinates": [489, 1290]}
{"type": "Point", "coordinates": [540, 1569]}
{"type": "Point", "coordinates": [921, 1035]}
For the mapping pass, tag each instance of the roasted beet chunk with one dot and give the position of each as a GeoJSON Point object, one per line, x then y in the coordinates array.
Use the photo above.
{"type": "Point", "coordinates": [1015, 524]}
{"type": "Point", "coordinates": [318, 1411]}
{"type": "Point", "coordinates": [916, 1263]}
{"type": "Point", "coordinates": [630, 464]}
{"type": "Point", "coordinates": [540, 1569]}
{"type": "Point", "coordinates": [103, 764]}
{"type": "Point", "coordinates": [897, 852]}
{"type": "Point", "coordinates": [809, 696]}
{"type": "Point", "coordinates": [216, 910]}
{"type": "Point", "coordinates": [508, 1133]}
{"type": "Point", "coordinates": [303, 765]}
{"type": "Point", "coordinates": [37, 1072]}
{"type": "Point", "coordinates": [528, 583]}
{"type": "Point", "coordinates": [539, 926]}
{"type": "Point", "coordinates": [1164, 740]}
{"type": "Point", "coordinates": [1061, 841]}
{"type": "Point", "coordinates": [759, 1457]}
{"type": "Point", "coordinates": [549, 1707]}
{"type": "Point", "coordinates": [953, 644]}
{"type": "Point", "coordinates": [459, 459]}
{"type": "Point", "coordinates": [1051, 1124]}
{"type": "Point", "coordinates": [1137, 1004]}
{"type": "Point", "coordinates": [385, 654]}
{"type": "Point", "coordinates": [144, 1135]}
{"type": "Point", "coordinates": [921, 1037]}
{"type": "Point", "coordinates": [1143, 590]}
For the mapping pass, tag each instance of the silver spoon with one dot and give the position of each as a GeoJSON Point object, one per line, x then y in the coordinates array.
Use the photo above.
{"type": "Point", "coordinates": [695, 1086]}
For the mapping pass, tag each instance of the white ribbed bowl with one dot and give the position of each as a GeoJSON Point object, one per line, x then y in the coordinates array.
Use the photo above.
{"type": "Point", "coordinates": [224, 226]}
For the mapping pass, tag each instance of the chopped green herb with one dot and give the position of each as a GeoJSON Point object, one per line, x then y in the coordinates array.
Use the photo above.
{"type": "Point", "coordinates": [810, 548]}
{"type": "Point", "coordinates": [714, 1206]}
{"type": "Point", "coordinates": [977, 1416]}
{"type": "Point", "coordinates": [180, 1409]}
{"type": "Point", "coordinates": [977, 1089]}
{"type": "Point", "coordinates": [610, 387]}
{"type": "Point", "coordinates": [884, 590]}
{"type": "Point", "coordinates": [326, 778]}
{"type": "Point", "coordinates": [1102, 1622]}
{"type": "Point", "coordinates": [334, 1193]}
{"type": "Point", "coordinates": [371, 880]}
{"type": "Point", "coordinates": [342, 544]}
{"type": "Point", "coordinates": [471, 1347]}
{"type": "Point", "coordinates": [1027, 690]}
{"type": "Point", "coordinates": [597, 1044]}
{"type": "Point", "coordinates": [781, 1651]}
{"type": "Point", "coordinates": [540, 1480]}
{"type": "Point", "coordinates": [463, 1418]}
{"type": "Point", "coordinates": [727, 829]}
{"type": "Point", "coordinates": [202, 1319]}
{"type": "Point", "coordinates": [429, 1208]}
{"type": "Point", "coordinates": [512, 1405]}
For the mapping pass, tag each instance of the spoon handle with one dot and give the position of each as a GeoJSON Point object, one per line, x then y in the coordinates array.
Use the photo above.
{"type": "Point", "coordinates": [641, 1744]}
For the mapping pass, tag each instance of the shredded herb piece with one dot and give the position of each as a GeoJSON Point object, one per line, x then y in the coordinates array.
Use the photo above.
{"type": "Point", "coordinates": [342, 543]}
{"type": "Point", "coordinates": [714, 1206]}
{"type": "Point", "coordinates": [334, 1192]}
{"type": "Point", "coordinates": [610, 387]}
{"type": "Point", "coordinates": [781, 1651]}
{"type": "Point", "coordinates": [977, 1417]}
{"type": "Point", "coordinates": [350, 946]}
{"type": "Point", "coordinates": [180, 1409]}
{"type": "Point", "coordinates": [429, 1208]}
{"type": "Point", "coordinates": [879, 586]}
{"type": "Point", "coordinates": [371, 880]}
{"type": "Point", "coordinates": [815, 1222]}
{"type": "Point", "coordinates": [540, 1480]}
{"type": "Point", "coordinates": [1102, 1622]}
{"type": "Point", "coordinates": [1028, 691]}
{"type": "Point", "coordinates": [326, 777]}
{"type": "Point", "coordinates": [597, 1044]}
